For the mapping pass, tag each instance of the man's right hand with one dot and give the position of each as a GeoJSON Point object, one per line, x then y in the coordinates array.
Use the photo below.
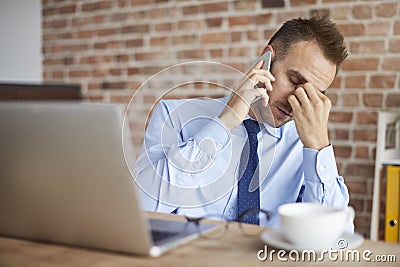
{"type": "Point", "coordinates": [245, 93]}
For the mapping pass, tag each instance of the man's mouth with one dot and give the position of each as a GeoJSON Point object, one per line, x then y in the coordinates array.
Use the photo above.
{"type": "Point", "coordinates": [284, 111]}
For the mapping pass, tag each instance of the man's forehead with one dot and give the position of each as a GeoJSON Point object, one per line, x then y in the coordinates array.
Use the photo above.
{"type": "Point", "coordinates": [307, 61]}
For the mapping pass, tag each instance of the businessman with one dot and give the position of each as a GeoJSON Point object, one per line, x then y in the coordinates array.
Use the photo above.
{"type": "Point", "coordinates": [263, 145]}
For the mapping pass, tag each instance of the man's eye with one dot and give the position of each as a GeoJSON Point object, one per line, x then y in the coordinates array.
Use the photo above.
{"type": "Point", "coordinates": [295, 83]}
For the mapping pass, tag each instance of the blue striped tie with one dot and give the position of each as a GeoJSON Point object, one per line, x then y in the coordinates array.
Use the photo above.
{"type": "Point", "coordinates": [248, 190]}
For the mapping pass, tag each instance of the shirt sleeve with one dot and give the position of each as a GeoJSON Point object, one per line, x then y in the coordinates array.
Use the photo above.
{"type": "Point", "coordinates": [322, 182]}
{"type": "Point", "coordinates": [177, 156]}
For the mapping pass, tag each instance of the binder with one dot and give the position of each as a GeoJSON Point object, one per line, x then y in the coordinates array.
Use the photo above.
{"type": "Point", "coordinates": [392, 204]}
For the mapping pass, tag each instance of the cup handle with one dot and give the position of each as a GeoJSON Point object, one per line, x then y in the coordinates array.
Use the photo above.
{"type": "Point", "coordinates": [350, 213]}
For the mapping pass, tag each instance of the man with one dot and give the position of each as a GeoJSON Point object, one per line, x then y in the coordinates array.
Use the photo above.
{"type": "Point", "coordinates": [259, 147]}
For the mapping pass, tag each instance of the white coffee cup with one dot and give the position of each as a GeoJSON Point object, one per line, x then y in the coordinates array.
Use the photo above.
{"type": "Point", "coordinates": [313, 225]}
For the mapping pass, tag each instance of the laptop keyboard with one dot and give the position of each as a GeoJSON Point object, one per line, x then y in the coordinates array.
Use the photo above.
{"type": "Point", "coordinates": [161, 235]}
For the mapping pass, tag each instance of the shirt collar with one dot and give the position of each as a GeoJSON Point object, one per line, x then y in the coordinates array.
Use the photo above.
{"type": "Point", "coordinates": [275, 132]}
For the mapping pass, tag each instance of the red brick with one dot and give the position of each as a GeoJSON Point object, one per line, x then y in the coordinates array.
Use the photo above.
{"type": "Point", "coordinates": [134, 42]}
{"type": "Point", "coordinates": [378, 28]}
{"type": "Point", "coordinates": [213, 38]}
{"type": "Point", "coordinates": [214, 22]}
{"type": "Point", "coordinates": [114, 85]}
{"type": "Point", "coordinates": [342, 151]}
{"type": "Point", "coordinates": [353, 29]}
{"type": "Point", "coordinates": [355, 82]}
{"type": "Point", "coordinates": [78, 73]}
{"type": "Point", "coordinates": [393, 100]}
{"type": "Point", "coordinates": [98, 19]}
{"type": "Point", "coordinates": [245, 4]}
{"type": "Point", "coordinates": [263, 19]}
{"type": "Point", "coordinates": [194, 53]}
{"type": "Point", "coordinates": [190, 10]}
{"type": "Point", "coordinates": [105, 32]}
{"type": "Point", "coordinates": [239, 52]}
{"type": "Point", "coordinates": [49, 11]}
{"type": "Point", "coordinates": [333, 1]}
{"type": "Point", "coordinates": [138, 28]}
{"type": "Point", "coordinates": [392, 63]}
{"type": "Point", "coordinates": [239, 21]}
{"type": "Point", "coordinates": [143, 56]}
{"type": "Point", "coordinates": [362, 12]}
{"type": "Point", "coordinates": [98, 73]}
{"type": "Point", "coordinates": [302, 2]}
{"type": "Point", "coordinates": [364, 135]}
{"type": "Point", "coordinates": [162, 27]}
{"type": "Point", "coordinates": [358, 64]}
{"type": "Point", "coordinates": [363, 170]}
{"type": "Point", "coordinates": [373, 100]}
{"type": "Point", "coordinates": [367, 117]}
{"type": "Point", "coordinates": [386, 10]}
{"type": "Point", "coordinates": [336, 82]}
{"type": "Point", "coordinates": [159, 41]}
{"type": "Point", "coordinates": [115, 71]}
{"type": "Point", "coordinates": [350, 100]}
{"type": "Point", "coordinates": [341, 12]}
{"type": "Point", "coordinates": [362, 152]}
{"type": "Point", "coordinates": [356, 203]}
{"type": "Point", "coordinates": [96, 6]}
{"type": "Point", "coordinates": [268, 34]}
{"type": "Point", "coordinates": [252, 35]}
{"type": "Point", "coordinates": [140, 2]}
{"type": "Point", "coordinates": [356, 186]}
{"type": "Point", "coordinates": [215, 7]}
{"type": "Point", "coordinates": [216, 53]}
{"type": "Point", "coordinates": [155, 13]}
{"type": "Point", "coordinates": [67, 9]}
{"type": "Point", "coordinates": [332, 97]}
{"type": "Point", "coordinates": [133, 71]}
{"type": "Point", "coordinates": [61, 23]}
{"type": "Point", "coordinates": [85, 34]}
{"type": "Point", "coordinates": [396, 30]}
{"type": "Point", "coordinates": [184, 39]}
{"type": "Point", "coordinates": [117, 17]}
{"type": "Point", "coordinates": [272, 3]}
{"type": "Point", "coordinates": [341, 134]}
{"type": "Point", "coordinates": [366, 47]}
{"type": "Point", "coordinates": [341, 116]}
{"type": "Point", "coordinates": [382, 81]}
{"type": "Point", "coordinates": [394, 46]}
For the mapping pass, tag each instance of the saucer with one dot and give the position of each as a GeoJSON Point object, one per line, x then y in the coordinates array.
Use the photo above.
{"type": "Point", "coordinates": [275, 239]}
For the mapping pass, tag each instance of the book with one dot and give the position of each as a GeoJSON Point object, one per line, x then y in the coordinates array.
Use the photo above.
{"type": "Point", "coordinates": [392, 204]}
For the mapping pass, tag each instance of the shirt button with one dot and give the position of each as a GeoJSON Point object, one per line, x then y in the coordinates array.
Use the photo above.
{"type": "Point", "coordinates": [321, 168]}
{"type": "Point", "coordinates": [218, 147]}
{"type": "Point", "coordinates": [192, 174]}
{"type": "Point", "coordinates": [231, 210]}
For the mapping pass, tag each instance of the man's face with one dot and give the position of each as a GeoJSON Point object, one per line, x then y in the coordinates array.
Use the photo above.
{"type": "Point", "coordinates": [304, 63]}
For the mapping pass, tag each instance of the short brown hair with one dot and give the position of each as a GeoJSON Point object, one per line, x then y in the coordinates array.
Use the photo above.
{"type": "Point", "coordinates": [317, 28]}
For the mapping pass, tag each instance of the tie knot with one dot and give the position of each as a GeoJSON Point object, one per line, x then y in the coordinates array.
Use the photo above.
{"type": "Point", "coordinates": [252, 126]}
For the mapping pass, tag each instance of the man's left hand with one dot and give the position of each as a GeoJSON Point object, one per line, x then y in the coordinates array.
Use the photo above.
{"type": "Point", "coordinates": [310, 112]}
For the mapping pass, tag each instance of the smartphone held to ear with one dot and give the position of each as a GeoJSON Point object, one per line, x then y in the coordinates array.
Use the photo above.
{"type": "Point", "coordinates": [266, 57]}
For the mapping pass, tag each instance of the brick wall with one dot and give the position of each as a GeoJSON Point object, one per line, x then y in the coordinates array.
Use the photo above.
{"type": "Point", "coordinates": [112, 48]}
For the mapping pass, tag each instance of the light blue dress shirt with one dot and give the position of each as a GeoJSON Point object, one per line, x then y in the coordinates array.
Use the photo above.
{"type": "Point", "coordinates": [189, 164]}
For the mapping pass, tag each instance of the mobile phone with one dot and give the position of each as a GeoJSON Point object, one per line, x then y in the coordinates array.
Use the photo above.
{"type": "Point", "coordinates": [266, 57]}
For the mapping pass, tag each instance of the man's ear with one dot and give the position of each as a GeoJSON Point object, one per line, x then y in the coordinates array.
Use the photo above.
{"type": "Point", "coordinates": [269, 48]}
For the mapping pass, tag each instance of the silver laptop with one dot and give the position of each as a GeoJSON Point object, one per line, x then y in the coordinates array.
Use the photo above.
{"type": "Point", "coordinates": [64, 179]}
